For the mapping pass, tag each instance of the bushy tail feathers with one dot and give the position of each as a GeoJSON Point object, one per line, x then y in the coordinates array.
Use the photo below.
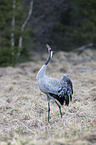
{"type": "Point", "coordinates": [66, 88]}
{"type": "Point", "coordinates": [68, 97]}
{"type": "Point", "coordinates": [66, 93]}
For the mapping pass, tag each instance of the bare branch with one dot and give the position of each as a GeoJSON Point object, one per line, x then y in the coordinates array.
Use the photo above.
{"type": "Point", "coordinates": [28, 17]}
{"type": "Point", "coordinates": [25, 23]}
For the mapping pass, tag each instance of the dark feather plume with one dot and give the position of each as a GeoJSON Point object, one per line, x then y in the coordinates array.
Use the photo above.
{"type": "Point", "coordinates": [65, 91]}
{"type": "Point", "coordinates": [61, 100]}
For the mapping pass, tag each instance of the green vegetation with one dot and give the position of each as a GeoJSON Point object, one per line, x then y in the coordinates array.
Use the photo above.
{"type": "Point", "coordinates": [77, 25]}
{"type": "Point", "coordinates": [12, 16]}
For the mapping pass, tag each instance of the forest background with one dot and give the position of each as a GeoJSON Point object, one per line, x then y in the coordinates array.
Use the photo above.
{"type": "Point", "coordinates": [64, 25]}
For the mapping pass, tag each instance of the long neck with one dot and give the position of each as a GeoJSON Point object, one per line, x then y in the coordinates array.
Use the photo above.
{"type": "Point", "coordinates": [49, 57]}
{"type": "Point", "coordinates": [42, 71]}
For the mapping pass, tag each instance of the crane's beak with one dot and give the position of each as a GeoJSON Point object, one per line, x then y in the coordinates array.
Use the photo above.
{"type": "Point", "coordinates": [49, 48]}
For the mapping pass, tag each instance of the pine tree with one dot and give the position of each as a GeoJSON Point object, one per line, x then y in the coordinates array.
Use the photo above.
{"type": "Point", "coordinates": [5, 23]}
{"type": "Point", "coordinates": [12, 17]}
{"type": "Point", "coordinates": [77, 26]}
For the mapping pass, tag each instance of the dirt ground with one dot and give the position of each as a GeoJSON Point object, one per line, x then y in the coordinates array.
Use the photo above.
{"type": "Point", "coordinates": [23, 107]}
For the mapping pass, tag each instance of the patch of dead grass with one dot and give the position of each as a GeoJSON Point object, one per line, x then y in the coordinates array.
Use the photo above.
{"type": "Point", "coordinates": [23, 107]}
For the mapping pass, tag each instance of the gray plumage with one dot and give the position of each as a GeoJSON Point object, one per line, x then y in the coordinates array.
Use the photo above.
{"type": "Point", "coordinates": [59, 91]}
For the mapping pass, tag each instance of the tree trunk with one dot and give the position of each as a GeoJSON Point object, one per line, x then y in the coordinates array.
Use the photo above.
{"type": "Point", "coordinates": [24, 24]}
{"type": "Point", "coordinates": [13, 27]}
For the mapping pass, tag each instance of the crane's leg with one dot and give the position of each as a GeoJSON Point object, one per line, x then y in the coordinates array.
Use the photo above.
{"type": "Point", "coordinates": [59, 108]}
{"type": "Point", "coordinates": [48, 110]}
{"type": "Point", "coordinates": [48, 99]}
{"type": "Point", "coordinates": [57, 104]}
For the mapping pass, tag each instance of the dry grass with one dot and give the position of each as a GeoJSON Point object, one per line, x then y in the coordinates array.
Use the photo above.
{"type": "Point", "coordinates": [23, 107]}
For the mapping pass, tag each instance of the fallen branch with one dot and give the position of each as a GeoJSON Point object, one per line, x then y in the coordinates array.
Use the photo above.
{"type": "Point", "coordinates": [81, 49]}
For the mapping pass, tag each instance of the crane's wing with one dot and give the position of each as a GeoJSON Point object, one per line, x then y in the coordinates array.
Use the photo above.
{"type": "Point", "coordinates": [64, 92]}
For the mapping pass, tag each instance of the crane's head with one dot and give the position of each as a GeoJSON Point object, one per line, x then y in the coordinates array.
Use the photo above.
{"type": "Point", "coordinates": [50, 50]}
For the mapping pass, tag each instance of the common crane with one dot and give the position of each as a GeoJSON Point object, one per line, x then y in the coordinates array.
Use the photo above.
{"type": "Point", "coordinates": [60, 91]}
